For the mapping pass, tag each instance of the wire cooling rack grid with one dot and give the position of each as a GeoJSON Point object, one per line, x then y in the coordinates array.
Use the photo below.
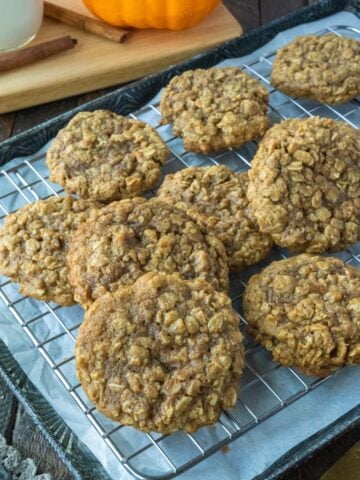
{"type": "Point", "coordinates": [266, 387]}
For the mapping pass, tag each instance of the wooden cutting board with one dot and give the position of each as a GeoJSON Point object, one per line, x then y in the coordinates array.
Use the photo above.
{"type": "Point", "coordinates": [76, 6]}
{"type": "Point", "coordinates": [97, 63]}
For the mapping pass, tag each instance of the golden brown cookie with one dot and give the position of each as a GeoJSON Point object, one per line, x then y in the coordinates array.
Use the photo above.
{"type": "Point", "coordinates": [162, 355]}
{"type": "Point", "coordinates": [215, 109]}
{"type": "Point", "coordinates": [304, 185]}
{"type": "Point", "coordinates": [215, 198]}
{"type": "Point", "coordinates": [34, 243]}
{"type": "Point", "coordinates": [104, 156]}
{"type": "Point", "coordinates": [325, 68]}
{"type": "Point", "coordinates": [306, 311]}
{"type": "Point", "coordinates": [132, 237]}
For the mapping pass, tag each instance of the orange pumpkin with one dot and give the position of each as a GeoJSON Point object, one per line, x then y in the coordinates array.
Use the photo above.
{"type": "Point", "coordinates": [170, 14]}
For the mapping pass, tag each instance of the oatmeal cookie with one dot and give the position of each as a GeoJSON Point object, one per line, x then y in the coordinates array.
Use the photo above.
{"type": "Point", "coordinates": [215, 198]}
{"type": "Point", "coordinates": [325, 68]}
{"type": "Point", "coordinates": [136, 236]}
{"type": "Point", "coordinates": [215, 108]}
{"type": "Point", "coordinates": [162, 355]}
{"type": "Point", "coordinates": [304, 185]}
{"type": "Point", "coordinates": [33, 246]}
{"type": "Point", "coordinates": [104, 156]}
{"type": "Point", "coordinates": [306, 311]}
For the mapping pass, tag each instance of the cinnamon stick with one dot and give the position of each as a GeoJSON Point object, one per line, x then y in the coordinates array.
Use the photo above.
{"type": "Point", "coordinates": [26, 56]}
{"type": "Point", "coordinates": [88, 24]}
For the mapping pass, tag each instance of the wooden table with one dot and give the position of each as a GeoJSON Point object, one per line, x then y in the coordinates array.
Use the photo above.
{"type": "Point", "coordinates": [18, 427]}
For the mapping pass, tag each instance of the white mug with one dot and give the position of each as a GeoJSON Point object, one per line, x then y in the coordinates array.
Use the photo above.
{"type": "Point", "coordinates": [20, 21]}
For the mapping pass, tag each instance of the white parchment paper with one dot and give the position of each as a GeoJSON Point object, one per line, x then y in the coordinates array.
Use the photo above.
{"type": "Point", "coordinates": [257, 449]}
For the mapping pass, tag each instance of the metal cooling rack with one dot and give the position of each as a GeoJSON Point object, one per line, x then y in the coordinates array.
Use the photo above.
{"type": "Point", "coordinates": [266, 387]}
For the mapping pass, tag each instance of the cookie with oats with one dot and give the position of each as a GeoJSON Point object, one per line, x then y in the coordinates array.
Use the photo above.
{"type": "Point", "coordinates": [215, 197]}
{"type": "Point", "coordinates": [34, 242]}
{"type": "Point", "coordinates": [135, 236]}
{"type": "Point", "coordinates": [306, 311]}
{"type": "Point", "coordinates": [103, 156]}
{"type": "Point", "coordinates": [325, 68]}
{"type": "Point", "coordinates": [215, 109]}
{"type": "Point", "coordinates": [304, 185]}
{"type": "Point", "coordinates": [162, 355]}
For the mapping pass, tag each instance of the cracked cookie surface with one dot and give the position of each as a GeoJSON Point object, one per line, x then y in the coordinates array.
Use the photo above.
{"type": "Point", "coordinates": [304, 185]}
{"type": "Point", "coordinates": [215, 108]}
{"type": "Point", "coordinates": [33, 246]}
{"type": "Point", "coordinates": [162, 355]}
{"type": "Point", "coordinates": [306, 311]}
{"type": "Point", "coordinates": [103, 156]}
{"type": "Point", "coordinates": [132, 237]}
{"type": "Point", "coordinates": [215, 198]}
{"type": "Point", "coordinates": [325, 68]}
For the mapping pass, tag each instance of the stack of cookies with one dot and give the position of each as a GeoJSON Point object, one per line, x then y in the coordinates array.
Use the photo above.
{"type": "Point", "coordinates": [160, 347]}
